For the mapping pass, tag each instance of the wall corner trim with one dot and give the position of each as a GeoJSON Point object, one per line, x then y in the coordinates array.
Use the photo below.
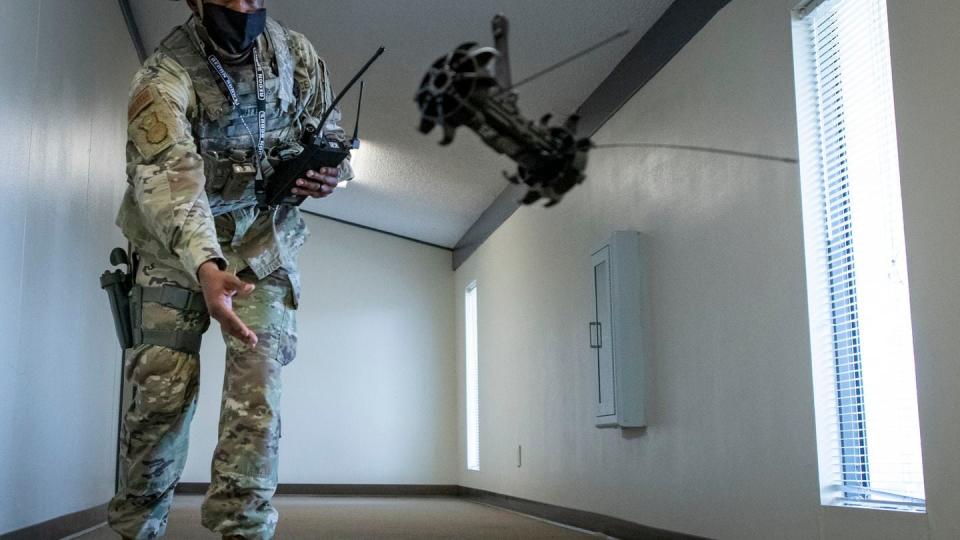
{"type": "Point", "coordinates": [133, 29]}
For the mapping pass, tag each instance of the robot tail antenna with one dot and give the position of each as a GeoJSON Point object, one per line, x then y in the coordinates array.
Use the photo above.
{"type": "Point", "coordinates": [336, 101]}
{"type": "Point", "coordinates": [567, 60]}
{"type": "Point", "coordinates": [355, 142]}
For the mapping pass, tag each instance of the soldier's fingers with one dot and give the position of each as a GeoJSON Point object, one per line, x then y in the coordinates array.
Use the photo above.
{"type": "Point", "coordinates": [235, 327]}
{"type": "Point", "coordinates": [238, 286]}
{"type": "Point", "coordinates": [307, 185]}
{"type": "Point", "coordinates": [326, 181]}
{"type": "Point", "coordinates": [219, 312]}
{"type": "Point", "coordinates": [326, 175]}
{"type": "Point", "coordinates": [324, 171]}
{"type": "Point", "coordinates": [318, 193]}
{"type": "Point", "coordinates": [314, 194]}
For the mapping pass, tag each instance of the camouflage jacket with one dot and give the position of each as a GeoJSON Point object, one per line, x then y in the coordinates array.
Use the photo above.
{"type": "Point", "coordinates": [173, 209]}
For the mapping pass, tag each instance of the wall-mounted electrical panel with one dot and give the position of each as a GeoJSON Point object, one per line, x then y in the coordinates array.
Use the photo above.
{"type": "Point", "coordinates": [619, 329]}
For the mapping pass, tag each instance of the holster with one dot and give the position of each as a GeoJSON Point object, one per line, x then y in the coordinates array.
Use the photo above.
{"type": "Point", "coordinates": [117, 284]}
{"type": "Point", "coordinates": [126, 305]}
{"type": "Point", "coordinates": [173, 297]}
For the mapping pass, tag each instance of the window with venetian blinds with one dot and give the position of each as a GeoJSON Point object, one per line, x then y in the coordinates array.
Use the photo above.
{"type": "Point", "coordinates": [861, 338]}
{"type": "Point", "coordinates": [472, 379]}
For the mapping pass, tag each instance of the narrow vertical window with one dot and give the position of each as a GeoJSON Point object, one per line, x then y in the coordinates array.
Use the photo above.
{"type": "Point", "coordinates": [868, 432]}
{"type": "Point", "coordinates": [473, 378]}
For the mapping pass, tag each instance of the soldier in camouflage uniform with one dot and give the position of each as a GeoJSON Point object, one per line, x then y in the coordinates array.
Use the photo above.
{"type": "Point", "coordinates": [205, 249]}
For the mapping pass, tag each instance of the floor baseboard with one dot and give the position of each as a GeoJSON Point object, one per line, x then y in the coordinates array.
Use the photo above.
{"type": "Point", "coordinates": [58, 527]}
{"type": "Point", "coordinates": [581, 519]}
{"type": "Point", "coordinates": [370, 490]}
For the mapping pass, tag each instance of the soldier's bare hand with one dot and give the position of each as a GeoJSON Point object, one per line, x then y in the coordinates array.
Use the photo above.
{"type": "Point", "coordinates": [219, 288]}
{"type": "Point", "coordinates": [318, 184]}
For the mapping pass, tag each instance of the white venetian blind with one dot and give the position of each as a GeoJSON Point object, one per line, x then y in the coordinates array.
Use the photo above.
{"type": "Point", "coordinates": [473, 378]}
{"type": "Point", "coordinates": [861, 339]}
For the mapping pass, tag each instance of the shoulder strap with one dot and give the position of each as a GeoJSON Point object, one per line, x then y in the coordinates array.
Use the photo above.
{"type": "Point", "coordinates": [278, 39]}
{"type": "Point", "coordinates": [180, 46]}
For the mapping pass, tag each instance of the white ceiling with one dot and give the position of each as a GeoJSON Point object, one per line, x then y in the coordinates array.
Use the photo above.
{"type": "Point", "coordinates": [407, 184]}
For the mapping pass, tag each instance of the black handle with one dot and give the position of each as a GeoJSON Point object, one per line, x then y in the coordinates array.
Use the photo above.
{"type": "Point", "coordinates": [599, 340]}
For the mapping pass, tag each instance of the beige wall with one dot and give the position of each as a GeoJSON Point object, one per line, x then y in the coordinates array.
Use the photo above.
{"type": "Point", "coordinates": [730, 451]}
{"type": "Point", "coordinates": [66, 69]}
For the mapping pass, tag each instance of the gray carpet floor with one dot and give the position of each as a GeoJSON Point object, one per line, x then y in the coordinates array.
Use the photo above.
{"type": "Point", "coordinates": [394, 518]}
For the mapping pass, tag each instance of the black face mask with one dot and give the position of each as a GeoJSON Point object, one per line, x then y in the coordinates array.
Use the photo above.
{"type": "Point", "coordinates": [233, 31]}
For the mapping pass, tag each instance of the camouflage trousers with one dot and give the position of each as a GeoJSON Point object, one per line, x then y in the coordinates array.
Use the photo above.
{"type": "Point", "coordinates": [156, 425]}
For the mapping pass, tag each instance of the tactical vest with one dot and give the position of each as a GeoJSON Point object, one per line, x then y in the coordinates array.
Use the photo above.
{"type": "Point", "coordinates": [218, 127]}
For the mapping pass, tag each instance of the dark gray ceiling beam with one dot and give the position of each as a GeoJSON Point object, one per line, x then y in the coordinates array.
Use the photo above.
{"type": "Point", "coordinates": [490, 219]}
{"type": "Point", "coordinates": [674, 29]}
{"type": "Point", "coordinates": [133, 29]}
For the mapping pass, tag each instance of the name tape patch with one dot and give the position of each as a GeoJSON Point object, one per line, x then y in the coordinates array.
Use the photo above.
{"type": "Point", "coordinates": [144, 98]}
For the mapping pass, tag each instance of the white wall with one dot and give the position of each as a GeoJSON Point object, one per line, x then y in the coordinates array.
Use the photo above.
{"type": "Point", "coordinates": [730, 451]}
{"type": "Point", "coordinates": [370, 397]}
{"type": "Point", "coordinates": [66, 70]}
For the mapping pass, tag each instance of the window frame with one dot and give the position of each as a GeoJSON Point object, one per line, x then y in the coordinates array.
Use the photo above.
{"type": "Point", "coordinates": [830, 235]}
{"type": "Point", "coordinates": [472, 375]}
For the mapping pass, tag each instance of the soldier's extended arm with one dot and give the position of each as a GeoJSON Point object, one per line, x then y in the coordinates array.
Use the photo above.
{"type": "Point", "coordinates": [163, 166]}
{"type": "Point", "coordinates": [167, 179]}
